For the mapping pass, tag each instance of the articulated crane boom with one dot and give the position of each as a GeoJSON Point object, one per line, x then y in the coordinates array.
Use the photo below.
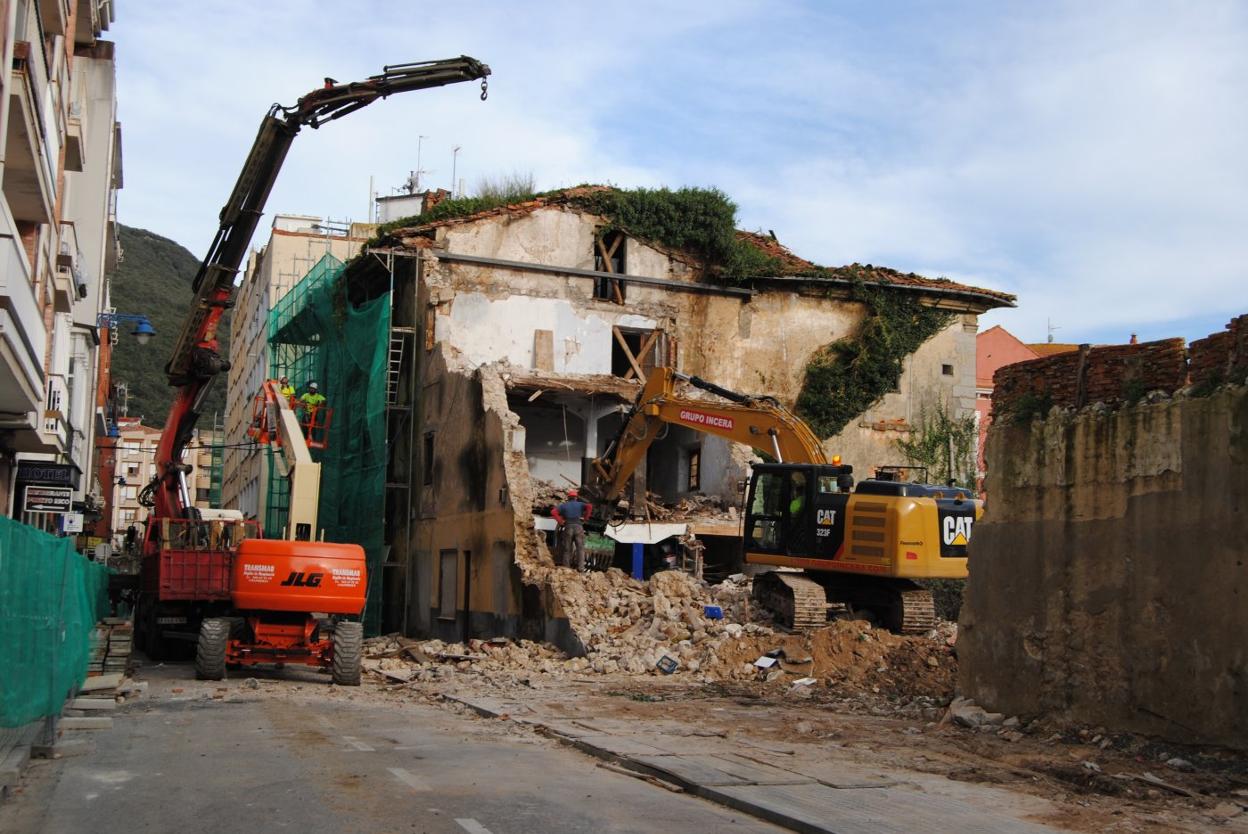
{"type": "Point", "coordinates": [207, 578]}
{"type": "Point", "coordinates": [195, 361]}
{"type": "Point", "coordinates": [859, 546]}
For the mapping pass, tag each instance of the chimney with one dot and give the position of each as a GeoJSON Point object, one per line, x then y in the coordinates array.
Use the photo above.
{"type": "Point", "coordinates": [429, 199]}
{"type": "Point", "coordinates": [1135, 340]}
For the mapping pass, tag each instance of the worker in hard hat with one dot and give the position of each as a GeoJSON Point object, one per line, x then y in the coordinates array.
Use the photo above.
{"type": "Point", "coordinates": [571, 515]}
{"type": "Point", "coordinates": [311, 402]}
{"type": "Point", "coordinates": [312, 398]}
{"type": "Point", "coordinates": [286, 389]}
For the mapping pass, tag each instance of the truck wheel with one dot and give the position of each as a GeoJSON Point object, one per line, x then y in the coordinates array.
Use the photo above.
{"type": "Point", "coordinates": [214, 635]}
{"type": "Point", "coordinates": [348, 643]}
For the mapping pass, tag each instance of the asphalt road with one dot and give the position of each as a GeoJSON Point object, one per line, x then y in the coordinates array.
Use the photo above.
{"type": "Point", "coordinates": [274, 759]}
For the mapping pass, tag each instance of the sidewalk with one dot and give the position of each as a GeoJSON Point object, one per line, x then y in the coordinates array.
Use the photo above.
{"type": "Point", "coordinates": [786, 784]}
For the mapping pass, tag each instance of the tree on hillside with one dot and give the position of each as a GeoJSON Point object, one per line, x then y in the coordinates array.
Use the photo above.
{"type": "Point", "coordinates": [154, 279]}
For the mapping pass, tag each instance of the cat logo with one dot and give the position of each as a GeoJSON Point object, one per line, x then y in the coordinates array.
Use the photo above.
{"type": "Point", "coordinates": [957, 529]}
{"type": "Point", "coordinates": [825, 518]}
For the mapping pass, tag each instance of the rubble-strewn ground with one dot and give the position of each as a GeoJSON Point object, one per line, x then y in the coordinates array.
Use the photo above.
{"type": "Point", "coordinates": [877, 701]}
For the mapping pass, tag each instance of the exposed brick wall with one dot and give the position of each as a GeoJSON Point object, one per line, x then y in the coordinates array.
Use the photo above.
{"type": "Point", "coordinates": [1111, 374]}
{"type": "Point", "coordinates": [1222, 357]}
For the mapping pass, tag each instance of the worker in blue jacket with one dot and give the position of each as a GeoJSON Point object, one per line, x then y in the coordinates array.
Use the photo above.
{"type": "Point", "coordinates": [571, 515]}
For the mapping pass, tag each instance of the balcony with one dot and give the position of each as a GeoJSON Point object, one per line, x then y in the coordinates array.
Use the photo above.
{"type": "Point", "coordinates": [68, 282]}
{"type": "Point", "coordinates": [54, 15]}
{"type": "Point", "coordinates": [29, 168]}
{"type": "Point", "coordinates": [23, 337]}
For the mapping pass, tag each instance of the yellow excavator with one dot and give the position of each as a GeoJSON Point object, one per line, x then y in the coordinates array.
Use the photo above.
{"type": "Point", "coordinates": [857, 545]}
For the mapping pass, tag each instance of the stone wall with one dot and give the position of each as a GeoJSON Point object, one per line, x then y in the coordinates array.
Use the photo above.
{"type": "Point", "coordinates": [1222, 357]}
{"type": "Point", "coordinates": [1108, 374]}
{"type": "Point", "coordinates": [1108, 580]}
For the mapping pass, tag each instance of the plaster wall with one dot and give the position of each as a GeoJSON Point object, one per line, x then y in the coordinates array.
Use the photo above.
{"type": "Point", "coordinates": [1108, 578]}
{"type": "Point", "coordinates": [759, 345]}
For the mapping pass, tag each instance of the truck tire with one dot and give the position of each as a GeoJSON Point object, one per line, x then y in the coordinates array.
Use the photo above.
{"type": "Point", "coordinates": [348, 643]}
{"type": "Point", "coordinates": [214, 635]}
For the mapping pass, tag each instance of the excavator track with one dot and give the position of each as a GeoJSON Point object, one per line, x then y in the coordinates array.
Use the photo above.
{"type": "Point", "coordinates": [917, 610]}
{"type": "Point", "coordinates": [797, 602]}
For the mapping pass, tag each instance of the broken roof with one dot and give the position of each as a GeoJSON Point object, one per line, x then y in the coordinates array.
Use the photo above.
{"type": "Point", "coordinates": [780, 263]}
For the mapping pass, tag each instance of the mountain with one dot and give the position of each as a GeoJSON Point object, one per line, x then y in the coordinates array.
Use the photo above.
{"type": "Point", "coordinates": [154, 279]}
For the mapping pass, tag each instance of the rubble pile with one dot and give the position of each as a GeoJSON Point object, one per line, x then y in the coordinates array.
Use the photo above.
{"type": "Point", "coordinates": [630, 626]}
{"type": "Point", "coordinates": [547, 495]}
{"type": "Point", "coordinates": [678, 625]}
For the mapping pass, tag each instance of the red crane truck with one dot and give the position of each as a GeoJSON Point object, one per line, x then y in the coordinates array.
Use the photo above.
{"type": "Point", "coordinates": [211, 580]}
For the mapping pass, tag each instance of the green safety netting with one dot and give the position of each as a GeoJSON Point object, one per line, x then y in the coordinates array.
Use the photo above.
{"type": "Point", "coordinates": [314, 334]}
{"type": "Point", "coordinates": [50, 599]}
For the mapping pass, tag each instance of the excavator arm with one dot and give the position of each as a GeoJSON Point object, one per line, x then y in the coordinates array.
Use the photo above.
{"type": "Point", "coordinates": [760, 422]}
{"type": "Point", "coordinates": [196, 360]}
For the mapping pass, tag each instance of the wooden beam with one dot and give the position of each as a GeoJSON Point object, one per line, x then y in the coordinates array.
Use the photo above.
{"type": "Point", "coordinates": [647, 345]}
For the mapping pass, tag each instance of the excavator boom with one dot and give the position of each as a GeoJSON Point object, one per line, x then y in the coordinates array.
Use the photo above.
{"type": "Point", "coordinates": [759, 422]}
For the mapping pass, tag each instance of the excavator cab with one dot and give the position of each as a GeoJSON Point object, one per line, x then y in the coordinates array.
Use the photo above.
{"type": "Point", "coordinates": [797, 509]}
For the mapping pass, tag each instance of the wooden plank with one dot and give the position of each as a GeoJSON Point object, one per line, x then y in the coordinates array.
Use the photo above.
{"type": "Point", "coordinates": [646, 346]}
{"type": "Point", "coordinates": [93, 704]}
{"type": "Point", "coordinates": [86, 723]}
{"type": "Point", "coordinates": [102, 682]}
{"type": "Point", "coordinates": [544, 350]}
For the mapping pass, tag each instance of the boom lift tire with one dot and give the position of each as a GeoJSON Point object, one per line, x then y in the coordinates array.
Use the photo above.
{"type": "Point", "coordinates": [214, 635]}
{"type": "Point", "coordinates": [348, 642]}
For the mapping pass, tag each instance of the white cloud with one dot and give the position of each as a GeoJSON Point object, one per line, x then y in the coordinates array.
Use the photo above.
{"type": "Point", "coordinates": [1086, 156]}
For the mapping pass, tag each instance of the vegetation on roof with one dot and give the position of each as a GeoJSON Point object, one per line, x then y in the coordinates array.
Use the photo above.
{"type": "Point", "coordinates": [700, 221]}
{"type": "Point", "coordinates": [849, 376]}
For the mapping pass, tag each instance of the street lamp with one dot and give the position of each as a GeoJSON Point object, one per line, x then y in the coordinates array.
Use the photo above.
{"type": "Point", "coordinates": [143, 330]}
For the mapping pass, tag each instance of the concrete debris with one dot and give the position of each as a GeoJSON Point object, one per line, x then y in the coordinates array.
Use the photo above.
{"type": "Point", "coordinates": [966, 713]}
{"type": "Point", "coordinates": [643, 628]}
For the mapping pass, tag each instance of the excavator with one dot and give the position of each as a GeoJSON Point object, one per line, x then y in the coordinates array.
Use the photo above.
{"type": "Point", "coordinates": [213, 581]}
{"type": "Point", "coordinates": [832, 542]}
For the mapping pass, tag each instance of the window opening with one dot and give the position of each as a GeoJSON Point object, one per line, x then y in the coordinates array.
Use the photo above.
{"type": "Point", "coordinates": [609, 257]}
{"type": "Point", "coordinates": [947, 370]}
{"type": "Point", "coordinates": [695, 468]}
{"type": "Point", "coordinates": [635, 352]}
{"type": "Point", "coordinates": [426, 460]}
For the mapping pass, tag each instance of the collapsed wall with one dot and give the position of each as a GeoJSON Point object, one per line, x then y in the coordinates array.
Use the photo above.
{"type": "Point", "coordinates": [1108, 579]}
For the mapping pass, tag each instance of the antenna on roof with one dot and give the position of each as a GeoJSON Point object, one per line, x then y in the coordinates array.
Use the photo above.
{"type": "Point", "coordinates": [1052, 329]}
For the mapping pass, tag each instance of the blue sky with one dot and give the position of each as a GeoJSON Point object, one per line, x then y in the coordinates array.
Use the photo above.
{"type": "Point", "coordinates": [1090, 157]}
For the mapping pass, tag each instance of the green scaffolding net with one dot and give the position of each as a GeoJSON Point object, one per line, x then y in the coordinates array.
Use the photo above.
{"type": "Point", "coordinates": [50, 599]}
{"type": "Point", "coordinates": [314, 334]}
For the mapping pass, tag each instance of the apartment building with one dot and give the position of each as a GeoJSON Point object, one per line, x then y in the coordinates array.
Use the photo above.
{"type": "Point", "coordinates": [60, 168]}
{"type": "Point", "coordinates": [296, 243]}
{"type": "Point", "coordinates": [135, 454]}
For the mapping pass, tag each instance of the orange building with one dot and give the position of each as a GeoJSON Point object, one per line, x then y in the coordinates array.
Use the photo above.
{"type": "Point", "coordinates": [994, 348]}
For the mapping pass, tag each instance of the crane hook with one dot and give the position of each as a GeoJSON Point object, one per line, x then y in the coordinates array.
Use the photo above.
{"type": "Point", "coordinates": [485, 89]}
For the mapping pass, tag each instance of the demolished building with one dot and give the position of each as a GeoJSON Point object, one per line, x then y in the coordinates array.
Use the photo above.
{"type": "Point", "coordinates": [521, 333]}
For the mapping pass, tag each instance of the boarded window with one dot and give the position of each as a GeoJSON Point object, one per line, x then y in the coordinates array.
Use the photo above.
{"type": "Point", "coordinates": [448, 583]}
{"type": "Point", "coordinates": [634, 353]}
{"type": "Point", "coordinates": [609, 257]}
{"type": "Point", "coordinates": [695, 468]}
